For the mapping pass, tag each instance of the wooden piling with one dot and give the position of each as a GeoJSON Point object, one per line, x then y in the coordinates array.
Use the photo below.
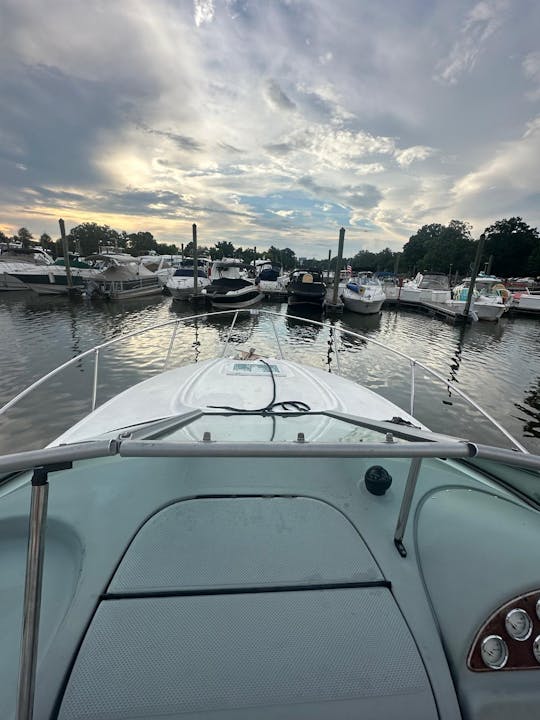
{"type": "Point", "coordinates": [66, 253]}
{"type": "Point", "coordinates": [338, 265]}
{"type": "Point", "coordinates": [195, 262]}
{"type": "Point", "coordinates": [476, 267]}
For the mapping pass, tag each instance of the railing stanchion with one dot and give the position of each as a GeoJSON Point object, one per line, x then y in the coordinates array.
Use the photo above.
{"type": "Point", "coordinates": [281, 355]}
{"type": "Point", "coordinates": [404, 510]}
{"type": "Point", "coordinates": [94, 386]}
{"type": "Point", "coordinates": [229, 334]}
{"type": "Point", "coordinates": [171, 343]}
{"type": "Point", "coordinates": [412, 389]}
{"type": "Point", "coordinates": [32, 594]}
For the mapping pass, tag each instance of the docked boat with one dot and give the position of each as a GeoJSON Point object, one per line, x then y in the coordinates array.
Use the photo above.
{"type": "Point", "coordinates": [426, 287]}
{"type": "Point", "coordinates": [526, 302]}
{"type": "Point", "coordinates": [491, 298]}
{"type": "Point", "coordinates": [250, 537]}
{"type": "Point", "coordinates": [306, 290]}
{"type": "Point", "coordinates": [270, 279]}
{"type": "Point", "coordinates": [181, 285]}
{"type": "Point", "coordinates": [122, 280]}
{"type": "Point", "coordinates": [363, 294]}
{"type": "Point", "coordinates": [229, 286]}
{"type": "Point", "coordinates": [53, 279]}
{"type": "Point", "coordinates": [15, 260]}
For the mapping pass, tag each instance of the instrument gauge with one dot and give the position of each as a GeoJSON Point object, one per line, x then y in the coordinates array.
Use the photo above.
{"type": "Point", "coordinates": [518, 624]}
{"type": "Point", "coordinates": [494, 652]}
{"type": "Point", "coordinates": [536, 648]}
{"type": "Point", "coordinates": [538, 608]}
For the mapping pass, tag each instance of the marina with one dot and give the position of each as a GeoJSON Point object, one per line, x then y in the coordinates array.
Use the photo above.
{"type": "Point", "coordinates": [496, 363]}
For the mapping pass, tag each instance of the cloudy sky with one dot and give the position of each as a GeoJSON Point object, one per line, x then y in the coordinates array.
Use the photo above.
{"type": "Point", "coordinates": [269, 121]}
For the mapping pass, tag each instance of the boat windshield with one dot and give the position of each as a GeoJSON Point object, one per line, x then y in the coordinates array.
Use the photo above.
{"type": "Point", "coordinates": [270, 427]}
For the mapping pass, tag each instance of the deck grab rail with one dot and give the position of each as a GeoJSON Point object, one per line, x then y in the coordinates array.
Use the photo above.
{"type": "Point", "coordinates": [336, 334]}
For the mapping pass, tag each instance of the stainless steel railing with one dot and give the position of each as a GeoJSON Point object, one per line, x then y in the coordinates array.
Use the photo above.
{"type": "Point", "coordinates": [337, 333]}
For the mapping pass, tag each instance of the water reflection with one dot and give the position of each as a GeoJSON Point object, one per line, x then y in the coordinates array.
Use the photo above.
{"type": "Point", "coordinates": [531, 408]}
{"type": "Point", "coordinates": [363, 324]}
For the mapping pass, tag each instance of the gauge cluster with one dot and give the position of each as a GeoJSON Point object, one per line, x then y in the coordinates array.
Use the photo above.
{"type": "Point", "coordinates": [510, 639]}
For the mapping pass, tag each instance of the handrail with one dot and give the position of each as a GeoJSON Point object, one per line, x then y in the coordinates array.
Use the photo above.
{"type": "Point", "coordinates": [235, 312]}
{"type": "Point", "coordinates": [442, 449]}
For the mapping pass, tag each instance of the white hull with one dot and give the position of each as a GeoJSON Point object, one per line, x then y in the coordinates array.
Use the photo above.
{"type": "Point", "coordinates": [527, 302]}
{"type": "Point", "coordinates": [363, 307]}
{"type": "Point", "coordinates": [483, 310]}
{"type": "Point", "coordinates": [53, 289]}
{"type": "Point", "coordinates": [364, 297]}
{"type": "Point", "coordinates": [53, 280]}
{"type": "Point", "coordinates": [272, 287]}
{"type": "Point", "coordinates": [183, 288]}
{"type": "Point", "coordinates": [410, 294]}
{"type": "Point", "coordinates": [235, 300]}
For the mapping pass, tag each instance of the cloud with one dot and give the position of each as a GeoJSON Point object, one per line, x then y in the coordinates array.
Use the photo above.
{"type": "Point", "coordinates": [183, 142]}
{"type": "Point", "coordinates": [410, 155]}
{"type": "Point", "coordinates": [531, 69]}
{"type": "Point", "coordinates": [277, 97]}
{"type": "Point", "coordinates": [135, 113]}
{"type": "Point", "coordinates": [481, 23]}
{"type": "Point", "coordinates": [203, 11]}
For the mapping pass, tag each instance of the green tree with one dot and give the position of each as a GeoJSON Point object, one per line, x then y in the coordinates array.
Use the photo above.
{"type": "Point", "coordinates": [222, 249]}
{"type": "Point", "coordinates": [288, 259]}
{"type": "Point", "coordinates": [24, 236]}
{"type": "Point", "coordinates": [47, 243]}
{"type": "Point", "coordinates": [364, 260]}
{"type": "Point", "coordinates": [87, 238]}
{"type": "Point", "coordinates": [514, 246]}
{"type": "Point", "coordinates": [170, 249]}
{"type": "Point", "coordinates": [141, 243]}
{"type": "Point", "coordinates": [436, 247]}
{"type": "Point", "coordinates": [274, 255]}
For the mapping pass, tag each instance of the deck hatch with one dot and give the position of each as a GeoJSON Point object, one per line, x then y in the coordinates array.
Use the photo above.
{"type": "Point", "coordinates": [244, 541]}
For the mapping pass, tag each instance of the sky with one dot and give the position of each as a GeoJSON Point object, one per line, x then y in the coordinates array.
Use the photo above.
{"type": "Point", "coordinates": [269, 122]}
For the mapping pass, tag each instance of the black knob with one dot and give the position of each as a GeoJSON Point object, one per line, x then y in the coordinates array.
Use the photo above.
{"type": "Point", "coordinates": [377, 480]}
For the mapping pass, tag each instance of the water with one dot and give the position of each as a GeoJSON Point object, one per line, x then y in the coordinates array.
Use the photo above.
{"type": "Point", "coordinates": [498, 365]}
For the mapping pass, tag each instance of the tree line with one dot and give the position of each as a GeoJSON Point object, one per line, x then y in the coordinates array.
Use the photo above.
{"type": "Point", "coordinates": [511, 249]}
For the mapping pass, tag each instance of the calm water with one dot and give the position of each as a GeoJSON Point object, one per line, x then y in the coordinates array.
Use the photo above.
{"type": "Point", "coordinates": [498, 365]}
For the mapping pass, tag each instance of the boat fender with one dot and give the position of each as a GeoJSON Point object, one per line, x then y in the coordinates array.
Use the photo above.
{"type": "Point", "coordinates": [377, 480]}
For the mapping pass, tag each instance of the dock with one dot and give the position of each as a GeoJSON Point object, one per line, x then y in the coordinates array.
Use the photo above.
{"type": "Point", "coordinates": [438, 310]}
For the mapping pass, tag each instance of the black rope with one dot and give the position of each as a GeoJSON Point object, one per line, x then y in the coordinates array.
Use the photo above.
{"type": "Point", "coordinates": [296, 405]}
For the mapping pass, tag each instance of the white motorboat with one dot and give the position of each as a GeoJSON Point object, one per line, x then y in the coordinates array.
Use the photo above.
{"type": "Point", "coordinates": [53, 279]}
{"type": "Point", "coordinates": [181, 285]}
{"type": "Point", "coordinates": [491, 298]}
{"type": "Point", "coordinates": [526, 301]}
{"type": "Point", "coordinates": [121, 280]}
{"type": "Point", "coordinates": [270, 279]}
{"type": "Point", "coordinates": [229, 286]}
{"type": "Point", "coordinates": [14, 260]}
{"type": "Point", "coordinates": [248, 537]}
{"type": "Point", "coordinates": [363, 295]}
{"type": "Point", "coordinates": [426, 287]}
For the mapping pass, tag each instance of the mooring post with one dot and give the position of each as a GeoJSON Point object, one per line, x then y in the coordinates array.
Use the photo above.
{"type": "Point", "coordinates": [477, 259]}
{"type": "Point", "coordinates": [195, 261]}
{"type": "Point", "coordinates": [338, 265]}
{"type": "Point", "coordinates": [66, 253]}
{"type": "Point", "coordinates": [328, 267]}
